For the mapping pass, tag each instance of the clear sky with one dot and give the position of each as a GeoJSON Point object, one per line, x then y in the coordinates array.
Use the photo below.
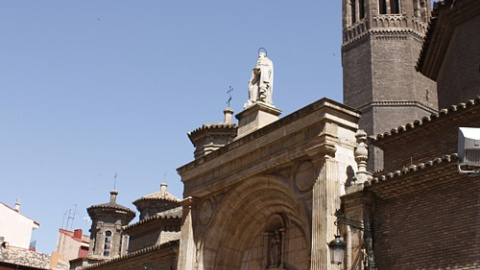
{"type": "Point", "coordinates": [93, 88]}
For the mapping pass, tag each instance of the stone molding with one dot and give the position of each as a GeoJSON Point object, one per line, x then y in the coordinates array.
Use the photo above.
{"type": "Point", "coordinates": [255, 117]}
{"type": "Point", "coordinates": [280, 142]}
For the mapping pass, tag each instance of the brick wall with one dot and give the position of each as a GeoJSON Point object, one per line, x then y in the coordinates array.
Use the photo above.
{"type": "Point", "coordinates": [435, 227]}
{"type": "Point", "coordinates": [155, 258]}
{"type": "Point", "coordinates": [357, 82]}
{"type": "Point", "coordinates": [427, 141]}
{"type": "Point", "coordinates": [459, 77]}
{"type": "Point", "coordinates": [380, 68]}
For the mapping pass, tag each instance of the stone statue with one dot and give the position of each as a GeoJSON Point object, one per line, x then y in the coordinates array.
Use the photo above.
{"type": "Point", "coordinates": [275, 253]}
{"type": "Point", "coordinates": [260, 86]}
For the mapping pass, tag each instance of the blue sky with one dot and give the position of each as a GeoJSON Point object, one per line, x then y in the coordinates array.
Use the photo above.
{"type": "Point", "coordinates": [93, 88]}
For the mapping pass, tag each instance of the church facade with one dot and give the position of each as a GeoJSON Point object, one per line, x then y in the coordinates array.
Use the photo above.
{"type": "Point", "coordinates": [267, 199]}
{"type": "Point", "coordinates": [272, 193]}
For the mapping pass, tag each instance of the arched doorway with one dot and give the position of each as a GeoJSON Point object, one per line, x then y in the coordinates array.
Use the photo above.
{"type": "Point", "coordinates": [260, 224]}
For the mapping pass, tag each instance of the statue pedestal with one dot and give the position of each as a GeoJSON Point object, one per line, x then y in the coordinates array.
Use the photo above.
{"type": "Point", "coordinates": [255, 117]}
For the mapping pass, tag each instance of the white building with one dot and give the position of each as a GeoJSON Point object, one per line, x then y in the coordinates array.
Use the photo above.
{"type": "Point", "coordinates": [15, 228]}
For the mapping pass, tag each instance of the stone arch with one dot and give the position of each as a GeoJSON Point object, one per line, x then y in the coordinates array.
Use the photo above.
{"type": "Point", "coordinates": [238, 227]}
{"type": "Point", "coordinates": [392, 22]}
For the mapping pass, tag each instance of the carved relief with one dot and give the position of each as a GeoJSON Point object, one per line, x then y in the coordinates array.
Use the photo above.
{"type": "Point", "coordinates": [275, 242]}
{"type": "Point", "coordinates": [206, 212]}
{"type": "Point", "coordinates": [304, 176]}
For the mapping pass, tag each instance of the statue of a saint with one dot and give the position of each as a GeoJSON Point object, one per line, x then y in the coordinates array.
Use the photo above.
{"type": "Point", "coordinates": [274, 254]}
{"type": "Point", "coordinates": [260, 86]}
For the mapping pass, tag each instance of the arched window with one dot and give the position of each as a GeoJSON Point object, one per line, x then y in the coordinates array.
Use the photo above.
{"type": "Point", "coordinates": [108, 244]}
{"type": "Point", "coordinates": [394, 6]}
{"type": "Point", "coordinates": [354, 11]}
{"type": "Point", "coordinates": [382, 6]}
{"type": "Point", "coordinates": [361, 7]}
{"type": "Point", "coordinates": [416, 8]}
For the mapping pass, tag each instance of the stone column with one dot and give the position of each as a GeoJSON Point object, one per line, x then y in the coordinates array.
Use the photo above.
{"type": "Point", "coordinates": [325, 195]}
{"type": "Point", "coordinates": [325, 202]}
{"type": "Point", "coordinates": [187, 251]}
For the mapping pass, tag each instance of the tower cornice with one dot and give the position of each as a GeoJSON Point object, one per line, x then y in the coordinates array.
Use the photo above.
{"type": "Point", "coordinates": [385, 33]}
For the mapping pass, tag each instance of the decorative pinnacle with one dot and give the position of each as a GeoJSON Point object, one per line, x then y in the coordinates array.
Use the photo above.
{"type": "Point", "coordinates": [361, 157]}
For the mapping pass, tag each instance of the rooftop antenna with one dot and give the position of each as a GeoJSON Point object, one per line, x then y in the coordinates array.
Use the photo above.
{"type": "Point", "coordinates": [230, 96]}
{"type": "Point", "coordinates": [164, 176]}
{"type": "Point", "coordinates": [70, 217]}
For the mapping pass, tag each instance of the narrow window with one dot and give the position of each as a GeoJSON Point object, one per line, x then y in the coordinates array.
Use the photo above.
{"type": "Point", "coordinates": [354, 11]}
{"type": "Point", "coordinates": [394, 6]}
{"type": "Point", "coordinates": [382, 6]}
{"type": "Point", "coordinates": [362, 9]}
{"type": "Point", "coordinates": [120, 246]}
{"type": "Point", "coordinates": [108, 244]}
{"type": "Point", "coordinates": [416, 8]}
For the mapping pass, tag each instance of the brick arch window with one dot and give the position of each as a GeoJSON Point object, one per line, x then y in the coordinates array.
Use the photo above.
{"type": "Point", "coordinates": [108, 244]}
{"type": "Point", "coordinates": [361, 9]}
{"type": "Point", "coordinates": [357, 10]}
{"type": "Point", "coordinates": [353, 5]}
{"type": "Point", "coordinates": [416, 8]}
{"type": "Point", "coordinates": [382, 6]}
{"type": "Point", "coordinates": [394, 6]}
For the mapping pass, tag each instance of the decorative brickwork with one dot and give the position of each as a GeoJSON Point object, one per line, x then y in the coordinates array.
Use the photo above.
{"type": "Point", "coordinates": [379, 51]}
{"type": "Point", "coordinates": [441, 130]}
{"type": "Point", "coordinates": [450, 53]}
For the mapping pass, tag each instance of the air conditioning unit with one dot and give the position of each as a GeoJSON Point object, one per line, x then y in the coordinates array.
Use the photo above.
{"type": "Point", "coordinates": [469, 150]}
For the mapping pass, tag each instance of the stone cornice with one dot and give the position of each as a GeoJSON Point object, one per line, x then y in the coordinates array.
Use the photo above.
{"type": "Point", "coordinates": [175, 213]}
{"type": "Point", "coordinates": [215, 129]}
{"type": "Point", "coordinates": [259, 144]}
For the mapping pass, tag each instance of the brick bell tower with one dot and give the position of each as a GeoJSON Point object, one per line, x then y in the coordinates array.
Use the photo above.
{"type": "Point", "coordinates": [382, 40]}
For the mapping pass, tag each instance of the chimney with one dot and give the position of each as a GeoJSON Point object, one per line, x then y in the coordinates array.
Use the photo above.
{"type": "Point", "coordinates": [113, 196]}
{"type": "Point", "coordinates": [77, 234]}
{"type": "Point", "coordinates": [163, 189]}
{"type": "Point", "coordinates": [17, 205]}
{"type": "Point", "coordinates": [228, 113]}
